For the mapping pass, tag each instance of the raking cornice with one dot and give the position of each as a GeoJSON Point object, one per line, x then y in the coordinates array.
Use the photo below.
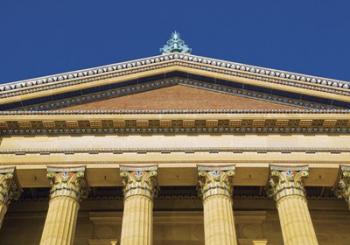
{"type": "Point", "coordinates": [226, 70]}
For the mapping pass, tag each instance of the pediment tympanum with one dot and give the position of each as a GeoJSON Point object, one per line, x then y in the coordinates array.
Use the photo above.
{"type": "Point", "coordinates": [179, 97]}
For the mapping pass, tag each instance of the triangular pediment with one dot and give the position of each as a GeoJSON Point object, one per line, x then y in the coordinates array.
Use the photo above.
{"type": "Point", "coordinates": [206, 84]}
{"type": "Point", "coordinates": [174, 93]}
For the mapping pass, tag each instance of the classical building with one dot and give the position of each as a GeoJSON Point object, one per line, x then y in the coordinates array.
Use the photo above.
{"type": "Point", "coordinates": [175, 149]}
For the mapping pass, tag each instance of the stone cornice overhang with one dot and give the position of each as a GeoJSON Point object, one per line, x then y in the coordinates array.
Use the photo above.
{"type": "Point", "coordinates": [186, 63]}
{"type": "Point", "coordinates": [172, 121]}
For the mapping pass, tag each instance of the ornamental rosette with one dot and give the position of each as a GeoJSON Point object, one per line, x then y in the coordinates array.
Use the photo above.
{"type": "Point", "coordinates": [139, 180]}
{"type": "Point", "coordinates": [67, 181]}
{"type": "Point", "coordinates": [215, 180]}
{"type": "Point", "coordinates": [287, 180]}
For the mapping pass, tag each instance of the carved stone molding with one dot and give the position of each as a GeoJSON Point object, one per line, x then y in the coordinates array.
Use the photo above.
{"type": "Point", "coordinates": [287, 180]}
{"type": "Point", "coordinates": [162, 83]}
{"type": "Point", "coordinates": [215, 180]}
{"type": "Point", "coordinates": [139, 180]}
{"type": "Point", "coordinates": [68, 181]}
{"type": "Point", "coordinates": [343, 185]}
{"type": "Point", "coordinates": [9, 187]}
{"type": "Point", "coordinates": [168, 60]}
{"type": "Point", "coordinates": [276, 121]}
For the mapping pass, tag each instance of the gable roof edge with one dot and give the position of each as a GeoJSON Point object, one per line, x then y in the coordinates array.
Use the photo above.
{"type": "Point", "coordinates": [232, 69]}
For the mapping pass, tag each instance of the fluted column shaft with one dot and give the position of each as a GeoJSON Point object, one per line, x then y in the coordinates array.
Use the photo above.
{"type": "Point", "coordinates": [60, 221]}
{"type": "Point", "coordinates": [139, 190]}
{"type": "Point", "coordinates": [68, 187]}
{"type": "Point", "coordinates": [9, 190]}
{"type": "Point", "coordinates": [216, 190]}
{"type": "Point", "coordinates": [288, 191]}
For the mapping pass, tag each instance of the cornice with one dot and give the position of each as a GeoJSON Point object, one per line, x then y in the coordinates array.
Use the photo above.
{"type": "Point", "coordinates": [183, 122]}
{"type": "Point", "coordinates": [167, 150]}
{"type": "Point", "coordinates": [178, 111]}
{"type": "Point", "coordinates": [177, 61]}
{"type": "Point", "coordinates": [166, 82]}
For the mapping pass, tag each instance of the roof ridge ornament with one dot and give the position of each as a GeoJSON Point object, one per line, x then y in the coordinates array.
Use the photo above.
{"type": "Point", "coordinates": [175, 44]}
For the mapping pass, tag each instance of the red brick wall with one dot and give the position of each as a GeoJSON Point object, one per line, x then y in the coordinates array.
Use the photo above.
{"type": "Point", "coordinates": [180, 97]}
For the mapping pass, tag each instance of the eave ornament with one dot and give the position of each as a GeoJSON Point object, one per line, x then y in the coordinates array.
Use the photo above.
{"type": "Point", "coordinates": [175, 44]}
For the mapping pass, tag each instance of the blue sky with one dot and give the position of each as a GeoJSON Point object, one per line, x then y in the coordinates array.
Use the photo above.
{"type": "Point", "coordinates": [42, 37]}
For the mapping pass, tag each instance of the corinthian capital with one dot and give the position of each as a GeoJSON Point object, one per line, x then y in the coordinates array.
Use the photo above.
{"type": "Point", "coordinates": [139, 180]}
{"type": "Point", "coordinates": [287, 180]}
{"type": "Point", "coordinates": [9, 188]}
{"type": "Point", "coordinates": [215, 180]}
{"type": "Point", "coordinates": [343, 186]}
{"type": "Point", "coordinates": [67, 181]}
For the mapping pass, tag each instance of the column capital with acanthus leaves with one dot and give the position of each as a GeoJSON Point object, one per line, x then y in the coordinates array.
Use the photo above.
{"type": "Point", "coordinates": [9, 187]}
{"type": "Point", "coordinates": [287, 180]}
{"type": "Point", "coordinates": [67, 181]}
{"type": "Point", "coordinates": [342, 189]}
{"type": "Point", "coordinates": [139, 180]}
{"type": "Point", "coordinates": [215, 180]}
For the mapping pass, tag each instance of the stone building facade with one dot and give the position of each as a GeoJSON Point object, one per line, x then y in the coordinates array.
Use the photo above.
{"type": "Point", "coordinates": [175, 149]}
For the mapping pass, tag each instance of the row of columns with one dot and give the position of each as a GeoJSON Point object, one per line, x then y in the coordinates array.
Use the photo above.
{"type": "Point", "coordinates": [140, 186]}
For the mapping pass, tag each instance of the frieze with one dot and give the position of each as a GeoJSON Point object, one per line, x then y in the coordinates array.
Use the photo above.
{"type": "Point", "coordinates": [175, 123]}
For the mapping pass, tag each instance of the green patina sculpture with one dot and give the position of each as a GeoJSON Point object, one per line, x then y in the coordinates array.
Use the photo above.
{"type": "Point", "coordinates": [175, 44]}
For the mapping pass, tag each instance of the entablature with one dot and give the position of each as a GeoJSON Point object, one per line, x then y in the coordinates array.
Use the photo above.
{"type": "Point", "coordinates": [173, 121]}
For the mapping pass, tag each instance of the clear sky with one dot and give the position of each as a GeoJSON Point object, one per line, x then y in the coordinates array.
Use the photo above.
{"type": "Point", "coordinates": [42, 37]}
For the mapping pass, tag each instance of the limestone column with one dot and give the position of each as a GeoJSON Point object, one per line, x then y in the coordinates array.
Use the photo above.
{"type": "Point", "coordinates": [140, 184]}
{"type": "Point", "coordinates": [9, 190]}
{"type": "Point", "coordinates": [343, 185]}
{"type": "Point", "coordinates": [215, 183]}
{"type": "Point", "coordinates": [286, 187]}
{"type": "Point", "coordinates": [68, 187]}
